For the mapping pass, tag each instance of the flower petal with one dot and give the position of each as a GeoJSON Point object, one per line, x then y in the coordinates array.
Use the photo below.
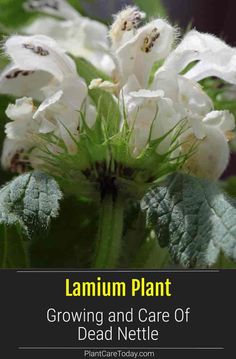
{"type": "Point", "coordinates": [167, 81]}
{"type": "Point", "coordinates": [35, 53]}
{"type": "Point", "coordinates": [74, 92]}
{"type": "Point", "coordinates": [22, 124]}
{"type": "Point", "coordinates": [81, 37]}
{"type": "Point", "coordinates": [224, 121]}
{"type": "Point", "coordinates": [192, 101]}
{"type": "Point", "coordinates": [48, 103]}
{"type": "Point", "coordinates": [214, 56]}
{"type": "Point", "coordinates": [22, 109]}
{"type": "Point", "coordinates": [220, 64]}
{"type": "Point", "coordinates": [193, 98]}
{"type": "Point", "coordinates": [152, 42]}
{"type": "Point", "coordinates": [124, 26]}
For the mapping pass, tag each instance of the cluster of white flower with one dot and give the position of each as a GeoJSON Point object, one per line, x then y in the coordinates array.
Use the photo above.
{"type": "Point", "coordinates": [42, 71]}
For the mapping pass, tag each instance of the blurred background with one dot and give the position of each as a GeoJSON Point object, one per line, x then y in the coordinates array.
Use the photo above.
{"type": "Point", "coordinates": [217, 17]}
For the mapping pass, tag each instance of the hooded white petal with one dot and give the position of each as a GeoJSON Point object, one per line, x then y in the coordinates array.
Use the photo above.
{"type": "Point", "coordinates": [60, 8]}
{"type": "Point", "coordinates": [125, 25]}
{"type": "Point", "coordinates": [152, 42]}
{"type": "Point", "coordinates": [214, 57]}
{"type": "Point", "coordinates": [40, 53]}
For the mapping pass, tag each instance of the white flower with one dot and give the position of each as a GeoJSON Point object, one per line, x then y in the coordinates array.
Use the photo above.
{"type": "Point", "coordinates": [149, 44]}
{"type": "Point", "coordinates": [152, 104]}
{"type": "Point", "coordinates": [174, 94]}
{"type": "Point", "coordinates": [149, 114]}
{"type": "Point", "coordinates": [40, 53]}
{"type": "Point", "coordinates": [53, 115]}
{"type": "Point", "coordinates": [192, 100]}
{"type": "Point", "coordinates": [80, 36]}
{"type": "Point", "coordinates": [62, 93]}
{"type": "Point", "coordinates": [37, 62]}
{"type": "Point", "coordinates": [41, 57]}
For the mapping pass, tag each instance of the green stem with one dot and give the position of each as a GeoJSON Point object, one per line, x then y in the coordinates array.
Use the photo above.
{"type": "Point", "coordinates": [110, 230]}
{"type": "Point", "coordinates": [151, 256]}
{"type": "Point", "coordinates": [5, 251]}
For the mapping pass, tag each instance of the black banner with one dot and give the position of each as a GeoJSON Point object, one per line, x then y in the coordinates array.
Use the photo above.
{"type": "Point", "coordinates": [117, 314]}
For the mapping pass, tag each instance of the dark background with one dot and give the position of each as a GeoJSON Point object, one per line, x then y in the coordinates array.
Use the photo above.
{"type": "Point", "coordinates": [209, 294]}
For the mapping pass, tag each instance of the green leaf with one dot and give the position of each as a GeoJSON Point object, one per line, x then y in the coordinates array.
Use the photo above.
{"type": "Point", "coordinates": [224, 263]}
{"type": "Point", "coordinates": [30, 200]}
{"type": "Point", "coordinates": [229, 186]}
{"type": "Point", "coordinates": [77, 5]}
{"type": "Point", "coordinates": [13, 248]}
{"type": "Point", "coordinates": [152, 7]}
{"type": "Point", "coordinates": [108, 108]}
{"type": "Point", "coordinates": [12, 14]}
{"type": "Point", "coordinates": [193, 218]}
{"type": "Point", "coordinates": [71, 240]}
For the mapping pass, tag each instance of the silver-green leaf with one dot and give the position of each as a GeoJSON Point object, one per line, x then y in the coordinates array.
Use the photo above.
{"type": "Point", "coordinates": [30, 200]}
{"type": "Point", "coordinates": [193, 218]}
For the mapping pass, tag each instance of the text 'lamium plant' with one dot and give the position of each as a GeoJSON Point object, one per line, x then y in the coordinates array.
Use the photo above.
{"type": "Point", "coordinates": [117, 116]}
